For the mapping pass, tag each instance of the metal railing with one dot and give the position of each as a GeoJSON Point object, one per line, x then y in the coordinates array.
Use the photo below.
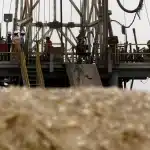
{"type": "Point", "coordinates": [39, 72]}
{"type": "Point", "coordinates": [125, 53]}
{"type": "Point", "coordinates": [24, 71]}
{"type": "Point", "coordinates": [121, 53]}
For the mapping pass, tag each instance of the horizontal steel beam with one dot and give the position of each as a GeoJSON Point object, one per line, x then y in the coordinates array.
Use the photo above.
{"type": "Point", "coordinates": [137, 65]}
{"type": "Point", "coordinates": [75, 24]}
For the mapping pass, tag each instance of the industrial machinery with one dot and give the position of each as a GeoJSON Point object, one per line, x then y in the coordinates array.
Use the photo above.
{"type": "Point", "coordinates": [93, 57]}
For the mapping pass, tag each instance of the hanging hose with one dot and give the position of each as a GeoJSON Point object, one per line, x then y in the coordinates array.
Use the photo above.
{"type": "Point", "coordinates": [129, 24]}
{"type": "Point", "coordinates": [139, 7]}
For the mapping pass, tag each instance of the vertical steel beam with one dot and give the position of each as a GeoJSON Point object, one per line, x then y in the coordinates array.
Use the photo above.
{"type": "Point", "coordinates": [55, 9]}
{"type": "Point", "coordinates": [16, 15]}
{"type": "Point", "coordinates": [105, 26]}
{"type": "Point", "coordinates": [30, 24]}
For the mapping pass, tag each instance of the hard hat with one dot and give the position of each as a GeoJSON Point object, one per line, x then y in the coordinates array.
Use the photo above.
{"type": "Point", "coordinates": [22, 32]}
{"type": "Point", "coordinates": [148, 43]}
{"type": "Point", "coordinates": [15, 32]}
{"type": "Point", "coordinates": [9, 33]}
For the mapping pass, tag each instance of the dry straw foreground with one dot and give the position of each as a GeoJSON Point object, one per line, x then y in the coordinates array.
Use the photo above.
{"type": "Point", "coordinates": [74, 119]}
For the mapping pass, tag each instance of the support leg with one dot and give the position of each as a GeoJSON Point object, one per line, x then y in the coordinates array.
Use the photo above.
{"type": "Point", "coordinates": [51, 62]}
{"type": "Point", "coordinates": [114, 79]}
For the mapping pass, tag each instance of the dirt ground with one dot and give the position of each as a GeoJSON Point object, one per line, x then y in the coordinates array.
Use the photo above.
{"type": "Point", "coordinates": [74, 119]}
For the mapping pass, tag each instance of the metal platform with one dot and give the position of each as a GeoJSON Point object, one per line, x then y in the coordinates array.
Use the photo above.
{"type": "Point", "coordinates": [124, 70]}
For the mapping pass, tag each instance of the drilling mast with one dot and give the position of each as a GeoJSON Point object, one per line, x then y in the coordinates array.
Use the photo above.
{"type": "Point", "coordinates": [88, 29]}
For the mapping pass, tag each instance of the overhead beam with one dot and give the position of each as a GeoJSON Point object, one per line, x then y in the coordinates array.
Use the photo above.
{"type": "Point", "coordinates": [75, 7]}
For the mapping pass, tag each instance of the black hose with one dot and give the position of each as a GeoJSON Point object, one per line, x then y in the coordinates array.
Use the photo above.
{"type": "Point", "coordinates": [129, 24]}
{"type": "Point", "coordinates": [139, 7]}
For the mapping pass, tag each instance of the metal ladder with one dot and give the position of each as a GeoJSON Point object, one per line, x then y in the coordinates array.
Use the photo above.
{"type": "Point", "coordinates": [31, 69]}
{"type": "Point", "coordinates": [32, 74]}
{"type": "Point", "coordinates": [24, 71]}
{"type": "Point", "coordinates": [35, 73]}
{"type": "Point", "coordinates": [39, 72]}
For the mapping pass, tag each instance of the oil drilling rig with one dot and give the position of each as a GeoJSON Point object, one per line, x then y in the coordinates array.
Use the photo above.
{"type": "Point", "coordinates": [95, 57]}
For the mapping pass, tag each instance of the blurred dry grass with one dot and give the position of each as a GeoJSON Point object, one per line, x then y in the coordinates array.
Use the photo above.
{"type": "Point", "coordinates": [74, 119]}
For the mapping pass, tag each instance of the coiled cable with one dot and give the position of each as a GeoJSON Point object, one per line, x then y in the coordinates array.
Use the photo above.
{"type": "Point", "coordinates": [129, 24]}
{"type": "Point", "coordinates": [139, 7]}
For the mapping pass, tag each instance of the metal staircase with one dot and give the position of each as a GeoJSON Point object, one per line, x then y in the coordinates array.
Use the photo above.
{"type": "Point", "coordinates": [32, 76]}
{"type": "Point", "coordinates": [35, 73]}
{"type": "Point", "coordinates": [31, 72]}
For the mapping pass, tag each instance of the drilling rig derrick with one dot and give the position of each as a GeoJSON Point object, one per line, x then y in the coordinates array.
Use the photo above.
{"type": "Point", "coordinates": [87, 43]}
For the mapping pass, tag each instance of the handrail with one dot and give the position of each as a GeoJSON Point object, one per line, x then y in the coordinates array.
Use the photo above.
{"type": "Point", "coordinates": [40, 78]}
{"type": "Point", "coordinates": [24, 71]}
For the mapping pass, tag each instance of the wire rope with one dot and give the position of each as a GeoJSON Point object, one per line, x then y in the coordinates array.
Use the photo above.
{"type": "Point", "coordinates": [38, 18]}
{"type": "Point", "coordinates": [34, 18]}
{"type": "Point", "coordinates": [125, 24]}
{"type": "Point", "coordinates": [148, 19]}
{"type": "Point", "coordinates": [125, 19]}
{"type": "Point", "coordinates": [49, 11]}
{"type": "Point", "coordinates": [2, 11]}
{"type": "Point", "coordinates": [71, 20]}
{"type": "Point", "coordinates": [10, 6]}
{"type": "Point", "coordinates": [44, 12]}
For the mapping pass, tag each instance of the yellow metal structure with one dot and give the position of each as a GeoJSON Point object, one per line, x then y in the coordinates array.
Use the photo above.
{"type": "Point", "coordinates": [39, 72]}
{"type": "Point", "coordinates": [24, 71]}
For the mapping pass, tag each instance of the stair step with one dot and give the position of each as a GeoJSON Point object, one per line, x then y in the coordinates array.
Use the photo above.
{"type": "Point", "coordinates": [33, 68]}
{"type": "Point", "coordinates": [32, 77]}
{"type": "Point", "coordinates": [31, 71]}
{"type": "Point", "coordinates": [34, 85]}
{"type": "Point", "coordinates": [32, 80]}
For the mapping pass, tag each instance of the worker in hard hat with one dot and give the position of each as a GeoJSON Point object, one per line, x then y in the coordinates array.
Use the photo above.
{"type": "Point", "coordinates": [9, 43]}
{"type": "Point", "coordinates": [16, 46]}
{"type": "Point", "coordinates": [22, 36]}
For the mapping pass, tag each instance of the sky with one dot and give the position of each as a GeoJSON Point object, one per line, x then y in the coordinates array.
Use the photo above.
{"type": "Point", "coordinates": [142, 25]}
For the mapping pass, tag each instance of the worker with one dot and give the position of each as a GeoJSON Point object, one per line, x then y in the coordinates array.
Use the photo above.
{"type": "Point", "coordinates": [9, 43]}
{"type": "Point", "coordinates": [9, 40]}
{"type": "Point", "coordinates": [48, 46]}
{"type": "Point", "coordinates": [16, 46]}
{"type": "Point", "coordinates": [81, 48]}
{"type": "Point", "coordinates": [48, 42]}
{"type": "Point", "coordinates": [146, 52]}
{"type": "Point", "coordinates": [148, 44]}
{"type": "Point", "coordinates": [22, 36]}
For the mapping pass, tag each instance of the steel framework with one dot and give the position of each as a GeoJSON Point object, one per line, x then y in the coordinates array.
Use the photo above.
{"type": "Point", "coordinates": [93, 19]}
